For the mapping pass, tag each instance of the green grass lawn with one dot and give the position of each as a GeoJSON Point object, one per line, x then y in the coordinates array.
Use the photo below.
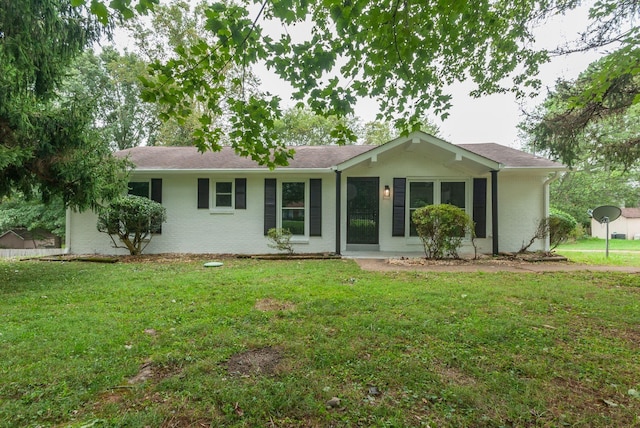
{"type": "Point", "coordinates": [593, 251]}
{"type": "Point", "coordinates": [268, 343]}
{"type": "Point", "coordinates": [600, 244]}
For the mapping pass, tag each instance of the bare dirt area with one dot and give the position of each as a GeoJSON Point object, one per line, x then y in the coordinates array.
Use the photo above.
{"type": "Point", "coordinates": [532, 262]}
{"type": "Point", "coordinates": [261, 361]}
{"type": "Point", "coordinates": [525, 263]}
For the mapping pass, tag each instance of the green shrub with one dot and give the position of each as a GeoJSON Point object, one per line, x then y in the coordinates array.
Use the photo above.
{"type": "Point", "coordinates": [280, 239]}
{"type": "Point", "coordinates": [561, 227]}
{"type": "Point", "coordinates": [132, 219]}
{"type": "Point", "coordinates": [441, 229]}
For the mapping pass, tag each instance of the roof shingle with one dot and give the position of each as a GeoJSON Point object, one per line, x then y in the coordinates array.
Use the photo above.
{"type": "Point", "coordinates": [306, 157]}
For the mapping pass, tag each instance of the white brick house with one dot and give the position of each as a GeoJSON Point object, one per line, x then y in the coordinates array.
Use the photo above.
{"type": "Point", "coordinates": [334, 198]}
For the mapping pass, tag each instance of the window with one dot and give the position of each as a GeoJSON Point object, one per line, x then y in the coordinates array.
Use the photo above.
{"type": "Point", "coordinates": [420, 194]}
{"type": "Point", "coordinates": [224, 194]}
{"type": "Point", "coordinates": [423, 193]}
{"type": "Point", "coordinates": [453, 193]}
{"type": "Point", "coordinates": [139, 188]}
{"type": "Point", "coordinates": [293, 207]}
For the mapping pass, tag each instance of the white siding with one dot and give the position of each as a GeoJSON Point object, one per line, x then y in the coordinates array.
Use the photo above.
{"type": "Point", "coordinates": [520, 209]}
{"type": "Point", "coordinates": [630, 227]}
{"type": "Point", "coordinates": [192, 230]}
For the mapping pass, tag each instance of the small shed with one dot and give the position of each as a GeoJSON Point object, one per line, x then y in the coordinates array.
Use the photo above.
{"type": "Point", "coordinates": [21, 238]}
{"type": "Point", "coordinates": [627, 226]}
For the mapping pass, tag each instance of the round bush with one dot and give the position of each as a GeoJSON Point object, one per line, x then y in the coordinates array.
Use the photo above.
{"type": "Point", "coordinates": [441, 229]}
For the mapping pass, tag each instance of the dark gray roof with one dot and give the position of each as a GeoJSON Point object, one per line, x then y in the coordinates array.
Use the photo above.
{"type": "Point", "coordinates": [510, 158]}
{"type": "Point", "coordinates": [156, 158]}
{"type": "Point", "coordinates": [306, 157]}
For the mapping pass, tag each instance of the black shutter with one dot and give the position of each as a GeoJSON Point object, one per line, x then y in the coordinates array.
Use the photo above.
{"type": "Point", "coordinates": [241, 193]}
{"type": "Point", "coordinates": [156, 190]}
{"type": "Point", "coordinates": [203, 193]}
{"type": "Point", "coordinates": [315, 207]}
{"type": "Point", "coordinates": [480, 206]}
{"type": "Point", "coordinates": [156, 195]}
{"type": "Point", "coordinates": [399, 196]}
{"type": "Point", "coordinates": [270, 209]}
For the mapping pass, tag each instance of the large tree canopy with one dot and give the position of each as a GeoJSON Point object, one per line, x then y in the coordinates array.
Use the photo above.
{"type": "Point", "coordinates": [596, 116]}
{"type": "Point", "coordinates": [47, 143]}
{"type": "Point", "coordinates": [401, 54]}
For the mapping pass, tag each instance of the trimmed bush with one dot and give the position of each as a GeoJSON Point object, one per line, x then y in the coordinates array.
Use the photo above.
{"type": "Point", "coordinates": [441, 229]}
{"type": "Point", "coordinates": [132, 220]}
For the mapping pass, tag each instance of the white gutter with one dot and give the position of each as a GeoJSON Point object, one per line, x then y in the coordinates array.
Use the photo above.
{"type": "Point", "coordinates": [241, 171]}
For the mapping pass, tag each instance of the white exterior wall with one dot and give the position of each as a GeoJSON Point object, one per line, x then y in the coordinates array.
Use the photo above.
{"type": "Point", "coordinates": [627, 226]}
{"type": "Point", "coordinates": [521, 206]}
{"type": "Point", "coordinates": [521, 199]}
{"type": "Point", "coordinates": [419, 165]}
{"type": "Point", "coordinates": [192, 230]}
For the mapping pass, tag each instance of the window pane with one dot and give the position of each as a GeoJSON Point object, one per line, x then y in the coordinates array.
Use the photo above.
{"type": "Point", "coordinates": [420, 194]}
{"type": "Point", "coordinates": [139, 188]}
{"type": "Point", "coordinates": [293, 195]}
{"type": "Point", "coordinates": [293, 212]}
{"type": "Point", "coordinates": [453, 193]}
{"type": "Point", "coordinates": [223, 195]}
{"type": "Point", "coordinates": [293, 219]}
{"type": "Point", "coordinates": [223, 200]}
{"type": "Point", "coordinates": [223, 187]}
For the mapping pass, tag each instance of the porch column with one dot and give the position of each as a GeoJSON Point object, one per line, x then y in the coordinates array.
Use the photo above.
{"type": "Point", "coordinates": [494, 210]}
{"type": "Point", "coordinates": [338, 209]}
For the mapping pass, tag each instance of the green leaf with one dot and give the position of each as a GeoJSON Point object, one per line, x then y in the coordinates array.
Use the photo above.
{"type": "Point", "coordinates": [100, 11]}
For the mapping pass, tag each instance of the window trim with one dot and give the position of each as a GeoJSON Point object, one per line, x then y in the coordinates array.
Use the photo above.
{"type": "Point", "coordinates": [295, 238]}
{"type": "Point", "coordinates": [213, 190]}
{"type": "Point", "coordinates": [211, 199]}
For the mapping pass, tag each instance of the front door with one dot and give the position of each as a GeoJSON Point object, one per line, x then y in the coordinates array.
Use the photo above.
{"type": "Point", "coordinates": [363, 196]}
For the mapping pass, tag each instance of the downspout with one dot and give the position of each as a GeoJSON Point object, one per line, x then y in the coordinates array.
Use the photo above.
{"type": "Point", "coordinates": [546, 204]}
{"type": "Point", "coordinates": [338, 210]}
{"type": "Point", "coordinates": [67, 232]}
{"type": "Point", "coordinates": [494, 210]}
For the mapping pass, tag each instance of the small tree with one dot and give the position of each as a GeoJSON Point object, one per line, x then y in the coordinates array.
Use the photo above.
{"type": "Point", "coordinates": [561, 225]}
{"type": "Point", "coordinates": [133, 220]}
{"type": "Point", "coordinates": [441, 229]}
{"type": "Point", "coordinates": [280, 239]}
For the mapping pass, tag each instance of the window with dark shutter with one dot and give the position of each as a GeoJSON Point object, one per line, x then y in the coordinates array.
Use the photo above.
{"type": "Point", "coordinates": [399, 191]}
{"type": "Point", "coordinates": [203, 193]}
{"type": "Point", "coordinates": [270, 204]}
{"type": "Point", "coordinates": [315, 207]}
{"type": "Point", "coordinates": [241, 193]}
{"type": "Point", "coordinates": [480, 206]}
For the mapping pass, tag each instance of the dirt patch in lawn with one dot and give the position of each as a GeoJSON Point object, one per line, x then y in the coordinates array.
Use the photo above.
{"type": "Point", "coordinates": [260, 361]}
{"type": "Point", "coordinates": [506, 263]}
{"type": "Point", "coordinates": [273, 305]}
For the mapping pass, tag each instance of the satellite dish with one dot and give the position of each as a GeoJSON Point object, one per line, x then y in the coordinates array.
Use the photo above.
{"type": "Point", "coordinates": [606, 213]}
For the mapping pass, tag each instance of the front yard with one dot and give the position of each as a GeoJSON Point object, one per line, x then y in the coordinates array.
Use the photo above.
{"type": "Point", "coordinates": [314, 343]}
